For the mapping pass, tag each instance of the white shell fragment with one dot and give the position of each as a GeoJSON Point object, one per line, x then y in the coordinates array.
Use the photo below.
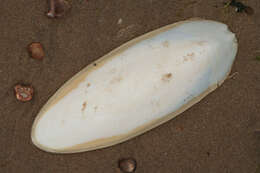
{"type": "Point", "coordinates": [136, 87]}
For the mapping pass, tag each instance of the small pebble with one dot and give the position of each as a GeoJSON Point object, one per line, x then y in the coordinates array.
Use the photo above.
{"type": "Point", "coordinates": [119, 22]}
{"type": "Point", "coordinates": [36, 51]}
{"type": "Point", "coordinates": [58, 8]}
{"type": "Point", "coordinates": [127, 165]}
{"type": "Point", "coordinates": [23, 93]}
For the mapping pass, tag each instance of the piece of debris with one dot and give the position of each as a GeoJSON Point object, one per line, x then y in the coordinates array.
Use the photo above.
{"type": "Point", "coordinates": [58, 8]}
{"type": "Point", "coordinates": [258, 58]}
{"type": "Point", "coordinates": [233, 75]}
{"type": "Point", "coordinates": [127, 165]}
{"type": "Point", "coordinates": [127, 32]}
{"type": "Point", "coordinates": [240, 7]}
{"type": "Point", "coordinates": [36, 50]}
{"type": "Point", "coordinates": [23, 93]}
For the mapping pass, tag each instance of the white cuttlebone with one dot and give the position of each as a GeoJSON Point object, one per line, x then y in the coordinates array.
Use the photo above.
{"type": "Point", "coordinates": [136, 87]}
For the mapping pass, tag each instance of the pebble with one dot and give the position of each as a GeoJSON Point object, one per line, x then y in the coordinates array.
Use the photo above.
{"type": "Point", "coordinates": [127, 165]}
{"type": "Point", "coordinates": [36, 51]}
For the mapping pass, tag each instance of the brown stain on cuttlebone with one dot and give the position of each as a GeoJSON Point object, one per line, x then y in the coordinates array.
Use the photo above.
{"type": "Point", "coordinates": [166, 77]}
{"type": "Point", "coordinates": [95, 108]}
{"type": "Point", "coordinates": [189, 57]}
{"type": "Point", "coordinates": [84, 105]}
{"type": "Point", "coordinates": [116, 79]}
{"type": "Point", "coordinates": [201, 43]}
{"type": "Point", "coordinates": [166, 44]}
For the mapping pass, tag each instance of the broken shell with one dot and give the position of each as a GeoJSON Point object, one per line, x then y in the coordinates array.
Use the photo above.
{"type": "Point", "coordinates": [136, 87]}
{"type": "Point", "coordinates": [23, 93]}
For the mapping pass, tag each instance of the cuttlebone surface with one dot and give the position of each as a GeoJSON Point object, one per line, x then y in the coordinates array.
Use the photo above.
{"type": "Point", "coordinates": [147, 79]}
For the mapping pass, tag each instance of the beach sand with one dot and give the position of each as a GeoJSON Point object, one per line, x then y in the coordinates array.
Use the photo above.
{"type": "Point", "coordinates": [216, 135]}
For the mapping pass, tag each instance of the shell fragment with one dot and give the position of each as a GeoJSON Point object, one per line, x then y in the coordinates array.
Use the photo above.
{"type": "Point", "coordinates": [136, 87]}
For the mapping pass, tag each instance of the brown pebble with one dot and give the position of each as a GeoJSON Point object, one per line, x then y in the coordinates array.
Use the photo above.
{"type": "Point", "coordinates": [58, 8]}
{"type": "Point", "coordinates": [127, 165]}
{"type": "Point", "coordinates": [36, 50]}
{"type": "Point", "coordinates": [23, 93]}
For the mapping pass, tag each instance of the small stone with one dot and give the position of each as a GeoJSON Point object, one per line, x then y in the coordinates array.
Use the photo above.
{"type": "Point", "coordinates": [127, 165]}
{"type": "Point", "coordinates": [36, 51]}
{"type": "Point", "coordinates": [119, 22]}
{"type": "Point", "coordinates": [23, 93]}
{"type": "Point", "coordinates": [58, 8]}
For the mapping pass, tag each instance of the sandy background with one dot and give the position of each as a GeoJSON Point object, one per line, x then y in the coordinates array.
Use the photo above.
{"type": "Point", "coordinates": [215, 136]}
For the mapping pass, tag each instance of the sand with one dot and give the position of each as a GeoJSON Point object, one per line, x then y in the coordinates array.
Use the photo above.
{"type": "Point", "coordinates": [216, 135]}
